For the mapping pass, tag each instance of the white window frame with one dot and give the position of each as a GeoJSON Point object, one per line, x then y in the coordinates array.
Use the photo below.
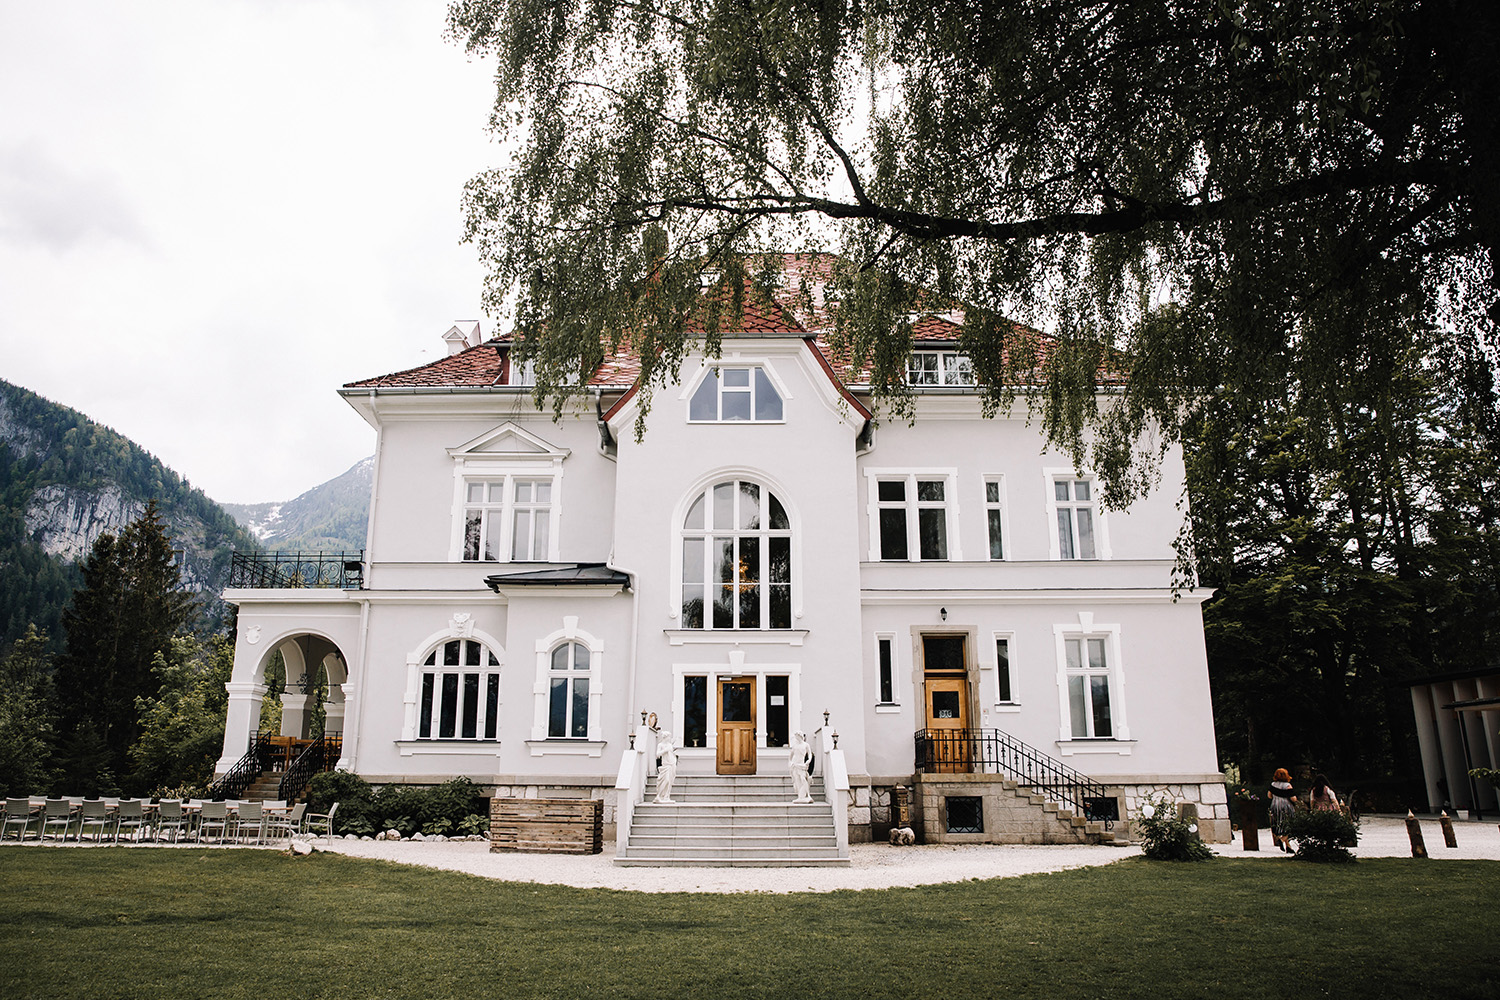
{"type": "Point", "coordinates": [679, 633]}
{"type": "Point", "coordinates": [762, 538]}
{"type": "Point", "coordinates": [737, 667]}
{"type": "Point", "coordinates": [953, 369]}
{"type": "Point", "coordinates": [542, 689]}
{"type": "Point", "coordinates": [505, 455]}
{"type": "Point", "coordinates": [1004, 509]}
{"type": "Point", "coordinates": [1114, 664]}
{"type": "Point", "coordinates": [1009, 671]}
{"type": "Point", "coordinates": [461, 628]}
{"type": "Point", "coordinates": [1101, 524]}
{"type": "Point", "coordinates": [950, 504]}
{"type": "Point", "coordinates": [509, 507]}
{"type": "Point", "coordinates": [894, 705]}
{"type": "Point", "coordinates": [712, 370]}
{"type": "Point", "coordinates": [568, 652]}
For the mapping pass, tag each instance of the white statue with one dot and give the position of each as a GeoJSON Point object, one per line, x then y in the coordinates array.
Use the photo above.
{"type": "Point", "coordinates": [800, 760]}
{"type": "Point", "coordinates": [666, 773]}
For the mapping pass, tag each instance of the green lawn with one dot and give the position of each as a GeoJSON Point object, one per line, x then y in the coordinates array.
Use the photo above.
{"type": "Point", "coordinates": [227, 923]}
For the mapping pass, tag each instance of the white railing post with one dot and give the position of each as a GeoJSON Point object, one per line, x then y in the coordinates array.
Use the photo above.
{"type": "Point", "coordinates": [835, 787]}
{"type": "Point", "coordinates": [630, 784]}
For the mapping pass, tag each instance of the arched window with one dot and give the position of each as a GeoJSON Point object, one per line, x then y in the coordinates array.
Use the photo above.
{"type": "Point", "coordinates": [568, 697]}
{"type": "Point", "coordinates": [460, 692]}
{"type": "Point", "coordinates": [736, 559]}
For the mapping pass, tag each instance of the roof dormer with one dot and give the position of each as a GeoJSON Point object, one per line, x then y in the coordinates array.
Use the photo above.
{"type": "Point", "coordinates": [462, 335]}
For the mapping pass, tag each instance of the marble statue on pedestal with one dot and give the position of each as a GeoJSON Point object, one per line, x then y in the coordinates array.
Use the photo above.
{"type": "Point", "coordinates": [666, 772]}
{"type": "Point", "coordinates": [800, 760]}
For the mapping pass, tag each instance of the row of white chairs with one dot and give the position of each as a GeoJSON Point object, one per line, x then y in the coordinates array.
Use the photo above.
{"type": "Point", "coordinates": [108, 820]}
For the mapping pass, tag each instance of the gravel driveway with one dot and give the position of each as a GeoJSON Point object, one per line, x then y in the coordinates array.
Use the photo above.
{"type": "Point", "coordinates": [872, 866]}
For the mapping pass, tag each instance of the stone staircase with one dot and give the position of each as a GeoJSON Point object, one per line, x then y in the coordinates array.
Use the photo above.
{"type": "Point", "coordinates": [1085, 831]}
{"type": "Point", "coordinates": [264, 788]}
{"type": "Point", "coordinates": [1014, 813]}
{"type": "Point", "coordinates": [721, 821]}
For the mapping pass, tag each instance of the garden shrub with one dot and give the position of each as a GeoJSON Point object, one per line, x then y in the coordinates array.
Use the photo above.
{"type": "Point", "coordinates": [365, 810]}
{"type": "Point", "coordinates": [353, 794]}
{"type": "Point", "coordinates": [1323, 836]}
{"type": "Point", "coordinates": [1165, 836]}
{"type": "Point", "coordinates": [474, 823]}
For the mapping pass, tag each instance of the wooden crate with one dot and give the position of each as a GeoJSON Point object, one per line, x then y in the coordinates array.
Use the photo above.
{"type": "Point", "coordinates": [547, 826]}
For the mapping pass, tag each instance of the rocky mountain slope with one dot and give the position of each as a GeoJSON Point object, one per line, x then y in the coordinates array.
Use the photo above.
{"type": "Point", "coordinates": [330, 517]}
{"type": "Point", "coordinates": [64, 480]}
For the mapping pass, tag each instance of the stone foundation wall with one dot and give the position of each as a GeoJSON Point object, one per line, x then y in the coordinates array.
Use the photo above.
{"type": "Point", "coordinates": [1009, 814]}
{"type": "Point", "coordinates": [875, 809]}
{"type": "Point", "coordinates": [1210, 799]}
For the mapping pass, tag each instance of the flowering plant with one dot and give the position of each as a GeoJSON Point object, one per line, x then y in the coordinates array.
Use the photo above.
{"type": "Point", "coordinates": [1165, 836]}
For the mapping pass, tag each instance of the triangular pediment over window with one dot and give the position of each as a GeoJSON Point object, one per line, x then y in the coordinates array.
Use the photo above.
{"type": "Point", "coordinates": [509, 441]}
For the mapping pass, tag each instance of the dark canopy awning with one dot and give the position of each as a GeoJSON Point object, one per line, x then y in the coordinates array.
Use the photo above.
{"type": "Point", "coordinates": [566, 575]}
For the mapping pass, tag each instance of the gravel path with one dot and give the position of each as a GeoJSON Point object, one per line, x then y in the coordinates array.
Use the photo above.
{"type": "Point", "coordinates": [872, 866]}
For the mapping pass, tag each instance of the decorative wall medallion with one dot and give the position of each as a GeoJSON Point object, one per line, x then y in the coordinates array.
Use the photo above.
{"type": "Point", "coordinates": [252, 634]}
{"type": "Point", "coordinates": [462, 624]}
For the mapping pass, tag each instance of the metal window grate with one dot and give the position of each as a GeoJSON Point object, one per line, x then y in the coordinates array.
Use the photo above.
{"type": "Point", "coordinates": [965, 813]}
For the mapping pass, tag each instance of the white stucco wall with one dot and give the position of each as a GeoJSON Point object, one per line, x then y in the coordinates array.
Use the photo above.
{"type": "Point", "coordinates": [626, 509]}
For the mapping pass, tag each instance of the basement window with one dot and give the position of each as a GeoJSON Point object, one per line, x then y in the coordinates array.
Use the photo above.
{"type": "Point", "coordinates": [965, 813]}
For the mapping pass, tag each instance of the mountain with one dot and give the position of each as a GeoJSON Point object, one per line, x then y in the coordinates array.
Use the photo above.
{"type": "Point", "coordinates": [331, 517]}
{"type": "Point", "coordinates": [65, 480]}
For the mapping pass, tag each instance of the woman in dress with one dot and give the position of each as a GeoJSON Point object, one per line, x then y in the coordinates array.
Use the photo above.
{"type": "Point", "coordinates": [1283, 804]}
{"type": "Point", "coordinates": [1322, 798]}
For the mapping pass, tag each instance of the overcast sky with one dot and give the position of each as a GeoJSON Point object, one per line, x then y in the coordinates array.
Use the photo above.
{"type": "Point", "coordinates": [214, 214]}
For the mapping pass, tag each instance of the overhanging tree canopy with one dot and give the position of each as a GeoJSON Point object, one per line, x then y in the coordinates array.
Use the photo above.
{"type": "Point", "coordinates": [1227, 192]}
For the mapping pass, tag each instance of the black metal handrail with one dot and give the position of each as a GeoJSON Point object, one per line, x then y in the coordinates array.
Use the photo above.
{"type": "Point", "coordinates": [278, 570]}
{"type": "Point", "coordinates": [319, 755]}
{"type": "Point", "coordinates": [245, 770]}
{"type": "Point", "coordinates": [953, 751]}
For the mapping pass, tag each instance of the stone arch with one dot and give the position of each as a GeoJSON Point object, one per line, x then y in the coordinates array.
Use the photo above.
{"type": "Point", "coordinates": [313, 661]}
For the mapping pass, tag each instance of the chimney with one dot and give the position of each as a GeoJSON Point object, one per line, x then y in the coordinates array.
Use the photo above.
{"type": "Point", "coordinates": [463, 334]}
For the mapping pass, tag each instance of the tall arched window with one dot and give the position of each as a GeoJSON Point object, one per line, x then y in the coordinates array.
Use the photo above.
{"type": "Point", "coordinates": [568, 692]}
{"type": "Point", "coordinates": [736, 559]}
{"type": "Point", "coordinates": [460, 692]}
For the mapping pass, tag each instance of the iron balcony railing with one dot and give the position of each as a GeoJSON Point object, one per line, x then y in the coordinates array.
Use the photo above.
{"type": "Point", "coordinates": [319, 755]}
{"type": "Point", "coordinates": [277, 570]}
{"type": "Point", "coordinates": [249, 767]}
{"type": "Point", "coordinates": [990, 751]}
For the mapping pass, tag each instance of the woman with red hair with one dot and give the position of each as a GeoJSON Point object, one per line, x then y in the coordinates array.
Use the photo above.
{"type": "Point", "coordinates": [1283, 805]}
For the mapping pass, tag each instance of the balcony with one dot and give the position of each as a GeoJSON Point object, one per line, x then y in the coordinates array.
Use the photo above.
{"type": "Point", "coordinates": [293, 570]}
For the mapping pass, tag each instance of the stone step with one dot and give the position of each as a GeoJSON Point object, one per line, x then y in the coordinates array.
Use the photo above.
{"type": "Point", "coordinates": [747, 807]}
{"type": "Point", "coordinates": [744, 780]}
{"type": "Point", "coordinates": [746, 828]}
{"type": "Point", "coordinates": [731, 862]}
{"type": "Point", "coordinates": [731, 842]}
{"type": "Point", "coordinates": [747, 798]}
{"type": "Point", "coordinates": [732, 820]}
{"type": "Point", "coordinates": [783, 855]}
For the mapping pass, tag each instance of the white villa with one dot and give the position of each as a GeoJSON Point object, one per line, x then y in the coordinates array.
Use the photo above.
{"type": "Point", "coordinates": [945, 595]}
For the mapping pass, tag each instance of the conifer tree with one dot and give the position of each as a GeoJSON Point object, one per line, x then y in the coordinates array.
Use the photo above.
{"type": "Point", "coordinates": [129, 609]}
{"type": "Point", "coordinates": [26, 716]}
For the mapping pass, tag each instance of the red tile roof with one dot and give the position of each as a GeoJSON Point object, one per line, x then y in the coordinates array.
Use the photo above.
{"type": "Point", "coordinates": [474, 366]}
{"type": "Point", "coordinates": [797, 307]}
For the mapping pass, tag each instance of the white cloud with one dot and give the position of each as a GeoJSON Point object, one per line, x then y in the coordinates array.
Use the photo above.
{"type": "Point", "coordinates": [212, 215]}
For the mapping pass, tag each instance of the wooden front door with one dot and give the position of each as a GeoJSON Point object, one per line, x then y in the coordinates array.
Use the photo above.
{"type": "Point", "coordinates": [946, 699]}
{"type": "Point", "coordinates": [736, 725]}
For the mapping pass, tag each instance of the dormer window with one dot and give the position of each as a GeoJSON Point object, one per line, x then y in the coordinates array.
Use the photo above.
{"type": "Point", "coordinates": [735, 394]}
{"type": "Point", "coordinates": [939, 368]}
